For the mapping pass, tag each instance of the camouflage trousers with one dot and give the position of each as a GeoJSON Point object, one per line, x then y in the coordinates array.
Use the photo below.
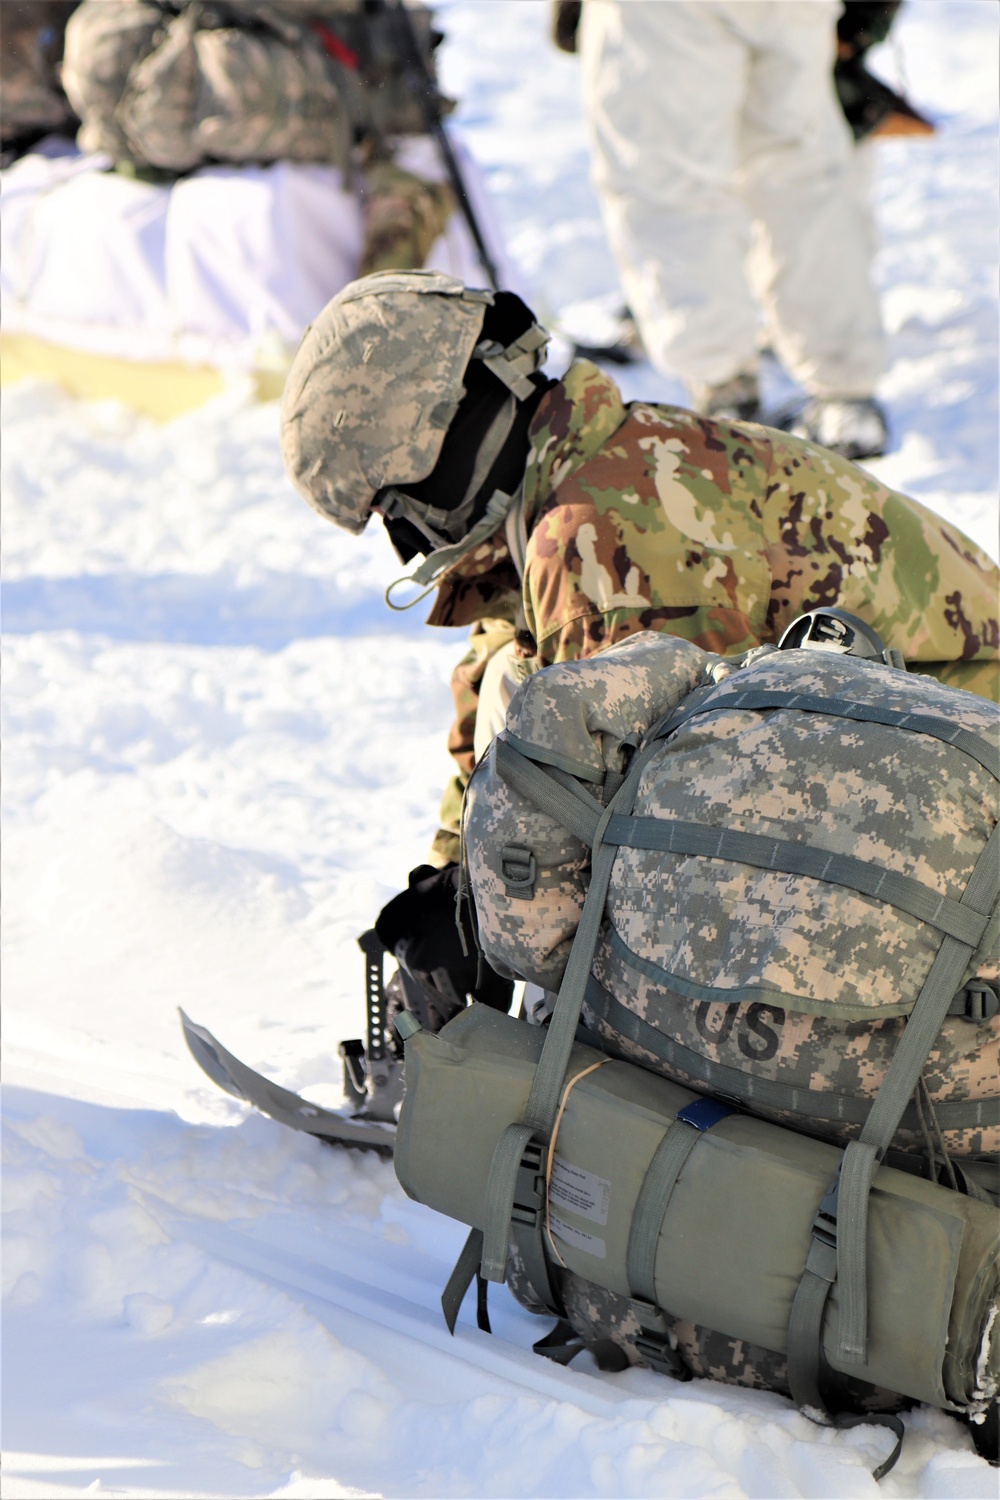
{"type": "Point", "coordinates": [403, 216]}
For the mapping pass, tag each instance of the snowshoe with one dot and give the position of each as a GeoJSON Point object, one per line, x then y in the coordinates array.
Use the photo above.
{"type": "Point", "coordinates": [373, 1073]}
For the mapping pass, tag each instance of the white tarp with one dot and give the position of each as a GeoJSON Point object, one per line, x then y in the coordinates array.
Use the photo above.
{"type": "Point", "coordinates": [224, 267]}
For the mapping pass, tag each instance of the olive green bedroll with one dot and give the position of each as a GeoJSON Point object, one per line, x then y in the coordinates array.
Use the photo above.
{"type": "Point", "coordinates": [679, 1202]}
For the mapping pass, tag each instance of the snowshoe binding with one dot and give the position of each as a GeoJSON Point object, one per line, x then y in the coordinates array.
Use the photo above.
{"type": "Point", "coordinates": [373, 1073]}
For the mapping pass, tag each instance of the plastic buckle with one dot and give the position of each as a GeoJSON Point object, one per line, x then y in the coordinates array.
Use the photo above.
{"type": "Point", "coordinates": [824, 1225]}
{"type": "Point", "coordinates": [653, 1342]}
{"type": "Point", "coordinates": [822, 1257]}
{"type": "Point", "coordinates": [518, 871]}
{"type": "Point", "coordinates": [982, 1001]}
{"type": "Point", "coordinates": [529, 1187]}
{"type": "Point", "coordinates": [659, 1353]}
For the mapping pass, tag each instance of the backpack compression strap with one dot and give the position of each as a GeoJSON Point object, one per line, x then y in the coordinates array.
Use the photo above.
{"type": "Point", "coordinates": [838, 1250]}
{"type": "Point", "coordinates": [543, 1100]}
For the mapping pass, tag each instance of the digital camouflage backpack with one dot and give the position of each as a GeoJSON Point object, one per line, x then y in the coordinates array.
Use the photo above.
{"type": "Point", "coordinates": [172, 84]}
{"type": "Point", "coordinates": [775, 888]}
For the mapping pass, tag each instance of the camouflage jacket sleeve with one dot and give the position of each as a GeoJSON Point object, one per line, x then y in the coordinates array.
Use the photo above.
{"type": "Point", "coordinates": [487, 637]}
{"type": "Point", "coordinates": [652, 518]}
{"type": "Point", "coordinates": [838, 536]}
{"type": "Point", "coordinates": [647, 517]}
{"type": "Point", "coordinates": [641, 518]}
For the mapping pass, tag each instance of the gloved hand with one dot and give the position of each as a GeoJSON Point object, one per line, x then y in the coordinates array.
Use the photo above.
{"type": "Point", "coordinates": [419, 927]}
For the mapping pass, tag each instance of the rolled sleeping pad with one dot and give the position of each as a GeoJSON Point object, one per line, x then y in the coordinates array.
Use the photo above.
{"type": "Point", "coordinates": [728, 1249]}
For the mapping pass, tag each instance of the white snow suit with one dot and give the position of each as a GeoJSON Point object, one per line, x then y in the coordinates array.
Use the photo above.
{"type": "Point", "coordinates": [711, 118]}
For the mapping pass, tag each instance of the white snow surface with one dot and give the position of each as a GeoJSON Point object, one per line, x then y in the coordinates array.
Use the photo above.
{"type": "Point", "coordinates": [222, 754]}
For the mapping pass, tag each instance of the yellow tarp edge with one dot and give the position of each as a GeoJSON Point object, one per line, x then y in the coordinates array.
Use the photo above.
{"type": "Point", "coordinates": [161, 391]}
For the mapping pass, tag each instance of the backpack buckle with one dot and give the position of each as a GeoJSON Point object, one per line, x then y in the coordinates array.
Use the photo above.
{"type": "Point", "coordinates": [822, 1257]}
{"type": "Point", "coordinates": [529, 1188]}
{"type": "Point", "coordinates": [518, 871]}
{"type": "Point", "coordinates": [660, 1354]}
{"type": "Point", "coordinates": [653, 1341]}
{"type": "Point", "coordinates": [978, 1001]}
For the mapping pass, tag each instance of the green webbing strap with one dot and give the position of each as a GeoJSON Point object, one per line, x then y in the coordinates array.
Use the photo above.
{"type": "Point", "coordinates": [543, 1101]}
{"type": "Point", "coordinates": [575, 811]}
{"type": "Point", "coordinates": [808, 1308]}
{"type": "Point", "coordinates": [766, 1093]}
{"type": "Point", "coordinates": [462, 1277]}
{"type": "Point", "coordinates": [981, 749]}
{"type": "Point", "coordinates": [910, 896]}
{"type": "Point", "coordinates": [546, 1088]}
{"type": "Point", "coordinates": [501, 1185]}
{"type": "Point", "coordinates": [858, 1168]}
{"type": "Point", "coordinates": [651, 1207]}
{"type": "Point", "coordinates": [692, 1120]}
{"type": "Point", "coordinates": [838, 1251]}
{"type": "Point", "coordinates": [577, 770]}
{"type": "Point", "coordinates": [862, 1156]}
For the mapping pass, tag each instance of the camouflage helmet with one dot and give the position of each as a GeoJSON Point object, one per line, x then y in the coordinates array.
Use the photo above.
{"type": "Point", "coordinates": [377, 380]}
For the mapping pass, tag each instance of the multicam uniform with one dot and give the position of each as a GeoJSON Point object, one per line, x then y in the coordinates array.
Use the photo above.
{"type": "Point", "coordinates": [644, 517]}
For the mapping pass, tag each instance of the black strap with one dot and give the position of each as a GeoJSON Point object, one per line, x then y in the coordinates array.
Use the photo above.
{"type": "Point", "coordinates": [482, 1304]}
{"type": "Point", "coordinates": [885, 1419]}
{"type": "Point", "coordinates": [562, 1344]}
{"type": "Point", "coordinates": [461, 1278]}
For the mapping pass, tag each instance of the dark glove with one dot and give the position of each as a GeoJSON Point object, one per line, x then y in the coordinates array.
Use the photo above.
{"type": "Point", "coordinates": [419, 927]}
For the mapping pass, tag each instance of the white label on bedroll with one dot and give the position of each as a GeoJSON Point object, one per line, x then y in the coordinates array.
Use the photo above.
{"type": "Point", "coordinates": [579, 1191]}
{"type": "Point", "coordinates": [591, 1243]}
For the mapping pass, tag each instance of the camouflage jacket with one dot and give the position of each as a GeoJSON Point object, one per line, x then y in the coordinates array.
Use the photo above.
{"type": "Point", "coordinates": [643, 517]}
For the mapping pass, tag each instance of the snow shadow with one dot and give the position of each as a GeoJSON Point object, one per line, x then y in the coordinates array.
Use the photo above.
{"type": "Point", "coordinates": [199, 610]}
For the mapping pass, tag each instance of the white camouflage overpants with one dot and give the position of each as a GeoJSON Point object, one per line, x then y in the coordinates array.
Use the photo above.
{"type": "Point", "coordinates": [711, 119]}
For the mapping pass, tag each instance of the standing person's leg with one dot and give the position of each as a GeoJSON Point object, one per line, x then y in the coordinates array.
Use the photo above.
{"type": "Point", "coordinates": [664, 85]}
{"type": "Point", "coordinates": [802, 184]}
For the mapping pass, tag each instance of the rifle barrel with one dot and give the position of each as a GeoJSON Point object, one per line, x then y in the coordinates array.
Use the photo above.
{"type": "Point", "coordinates": [426, 92]}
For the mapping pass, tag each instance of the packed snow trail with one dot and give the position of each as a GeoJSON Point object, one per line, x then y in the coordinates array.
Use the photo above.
{"type": "Point", "coordinates": [222, 754]}
{"type": "Point", "coordinates": [284, 1296]}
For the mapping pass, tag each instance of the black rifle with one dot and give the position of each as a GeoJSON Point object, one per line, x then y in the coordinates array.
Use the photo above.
{"type": "Point", "coordinates": [423, 86]}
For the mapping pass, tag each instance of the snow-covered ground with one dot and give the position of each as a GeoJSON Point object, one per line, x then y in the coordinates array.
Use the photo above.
{"type": "Point", "coordinates": [221, 756]}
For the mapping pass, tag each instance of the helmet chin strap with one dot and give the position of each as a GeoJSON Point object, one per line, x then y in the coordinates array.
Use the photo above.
{"type": "Point", "coordinates": [443, 528]}
{"type": "Point", "coordinates": [513, 365]}
{"type": "Point", "coordinates": [431, 569]}
{"type": "Point", "coordinates": [446, 529]}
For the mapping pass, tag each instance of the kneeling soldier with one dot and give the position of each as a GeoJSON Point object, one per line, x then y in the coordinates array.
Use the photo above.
{"type": "Point", "coordinates": [556, 520]}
